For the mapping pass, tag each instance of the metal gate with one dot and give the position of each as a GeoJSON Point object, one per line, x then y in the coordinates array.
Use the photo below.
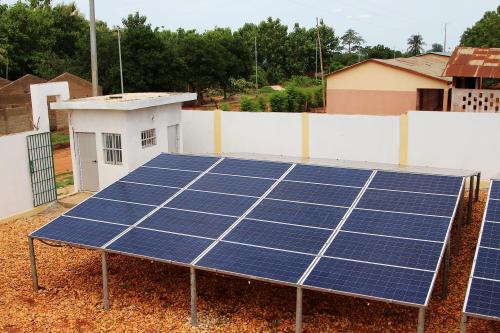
{"type": "Point", "coordinates": [41, 163]}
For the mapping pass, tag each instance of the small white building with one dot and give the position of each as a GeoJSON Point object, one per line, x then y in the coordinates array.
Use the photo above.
{"type": "Point", "coordinates": [112, 135]}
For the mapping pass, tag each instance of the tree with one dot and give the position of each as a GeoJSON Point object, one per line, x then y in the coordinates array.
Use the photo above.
{"type": "Point", "coordinates": [352, 40]}
{"type": "Point", "coordinates": [415, 45]}
{"type": "Point", "coordinates": [436, 47]}
{"type": "Point", "coordinates": [485, 32]}
{"type": "Point", "coordinates": [380, 52]}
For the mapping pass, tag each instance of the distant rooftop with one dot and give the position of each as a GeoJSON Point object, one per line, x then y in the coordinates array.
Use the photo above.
{"type": "Point", "coordinates": [129, 101]}
{"type": "Point", "coordinates": [427, 67]}
{"type": "Point", "coordinates": [474, 62]}
{"type": "Point", "coordinates": [444, 54]}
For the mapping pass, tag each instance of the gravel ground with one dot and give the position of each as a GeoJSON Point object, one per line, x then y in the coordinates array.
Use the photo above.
{"type": "Point", "coordinates": [152, 297]}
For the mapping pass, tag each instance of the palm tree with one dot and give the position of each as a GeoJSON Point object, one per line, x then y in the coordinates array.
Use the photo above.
{"type": "Point", "coordinates": [415, 44]}
{"type": "Point", "coordinates": [352, 40]}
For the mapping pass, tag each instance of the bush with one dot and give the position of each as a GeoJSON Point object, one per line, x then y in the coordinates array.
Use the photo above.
{"type": "Point", "coordinates": [261, 104]}
{"type": "Point", "coordinates": [224, 107]}
{"type": "Point", "coordinates": [318, 98]}
{"type": "Point", "coordinates": [279, 102]}
{"type": "Point", "coordinates": [296, 99]}
{"type": "Point", "coordinates": [239, 86]}
{"type": "Point", "coordinates": [261, 78]}
{"type": "Point", "coordinates": [267, 90]}
{"type": "Point", "coordinates": [247, 104]}
{"type": "Point", "coordinates": [302, 81]}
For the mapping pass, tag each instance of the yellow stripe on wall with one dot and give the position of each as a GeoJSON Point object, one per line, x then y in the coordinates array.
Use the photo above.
{"type": "Point", "coordinates": [217, 133]}
{"type": "Point", "coordinates": [403, 139]}
{"type": "Point", "coordinates": [305, 135]}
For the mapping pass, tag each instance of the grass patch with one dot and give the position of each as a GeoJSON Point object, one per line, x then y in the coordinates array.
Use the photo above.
{"type": "Point", "coordinates": [64, 179]}
{"type": "Point", "coordinates": [58, 138]}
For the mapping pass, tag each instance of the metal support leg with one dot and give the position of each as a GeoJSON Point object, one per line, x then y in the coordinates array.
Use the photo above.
{"type": "Point", "coordinates": [194, 315]}
{"type": "Point", "coordinates": [463, 323]}
{"type": "Point", "coordinates": [421, 320]}
{"type": "Point", "coordinates": [460, 221]}
{"type": "Point", "coordinates": [446, 270]}
{"type": "Point", "coordinates": [471, 198]}
{"type": "Point", "coordinates": [298, 311]}
{"type": "Point", "coordinates": [478, 184]}
{"type": "Point", "coordinates": [105, 292]}
{"type": "Point", "coordinates": [34, 274]}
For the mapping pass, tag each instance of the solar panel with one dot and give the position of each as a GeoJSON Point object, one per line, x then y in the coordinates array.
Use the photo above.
{"type": "Point", "coordinates": [320, 227]}
{"type": "Point", "coordinates": [416, 182]}
{"type": "Point", "coordinates": [256, 262]}
{"type": "Point", "coordinates": [77, 231]}
{"type": "Point", "coordinates": [298, 213]}
{"type": "Point", "coordinates": [483, 293]}
{"type": "Point", "coordinates": [329, 175]}
{"type": "Point", "coordinates": [314, 193]}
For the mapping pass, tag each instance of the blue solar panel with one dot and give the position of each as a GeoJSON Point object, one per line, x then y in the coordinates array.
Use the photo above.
{"type": "Point", "coordinates": [393, 283]}
{"type": "Point", "coordinates": [488, 264]}
{"type": "Point", "coordinates": [297, 213]}
{"type": "Point", "coordinates": [396, 224]}
{"type": "Point", "coordinates": [233, 184]}
{"type": "Point", "coordinates": [279, 236]}
{"type": "Point", "coordinates": [490, 236]}
{"type": "Point", "coordinates": [313, 193]}
{"type": "Point", "coordinates": [162, 177]}
{"type": "Point", "coordinates": [493, 213]}
{"type": "Point", "coordinates": [110, 211]}
{"type": "Point", "coordinates": [495, 190]}
{"type": "Point", "coordinates": [145, 194]}
{"type": "Point", "coordinates": [212, 202]}
{"type": "Point", "coordinates": [79, 232]}
{"type": "Point", "coordinates": [386, 250]}
{"type": "Point", "coordinates": [406, 202]}
{"type": "Point", "coordinates": [417, 182]}
{"type": "Point", "coordinates": [257, 262]}
{"type": "Point", "coordinates": [160, 245]}
{"type": "Point", "coordinates": [182, 162]}
{"type": "Point", "coordinates": [191, 223]}
{"type": "Point", "coordinates": [251, 168]}
{"type": "Point", "coordinates": [484, 298]}
{"type": "Point", "coordinates": [329, 175]}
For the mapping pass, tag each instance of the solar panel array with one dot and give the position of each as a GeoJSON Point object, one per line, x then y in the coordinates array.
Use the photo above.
{"type": "Point", "coordinates": [483, 295]}
{"type": "Point", "coordinates": [362, 232]}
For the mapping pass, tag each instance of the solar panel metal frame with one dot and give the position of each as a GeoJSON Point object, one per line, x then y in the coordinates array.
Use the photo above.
{"type": "Point", "coordinates": [299, 285]}
{"type": "Point", "coordinates": [471, 276]}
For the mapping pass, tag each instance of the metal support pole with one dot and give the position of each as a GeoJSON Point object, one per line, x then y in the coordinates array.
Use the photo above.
{"type": "Point", "coordinates": [93, 49]}
{"type": "Point", "coordinates": [194, 315]}
{"type": "Point", "coordinates": [120, 58]}
{"type": "Point", "coordinates": [34, 274]}
{"type": "Point", "coordinates": [421, 320]}
{"type": "Point", "coordinates": [478, 183]}
{"type": "Point", "coordinates": [105, 292]}
{"type": "Point", "coordinates": [463, 323]}
{"type": "Point", "coordinates": [446, 270]}
{"type": "Point", "coordinates": [298, 311]}
{"type": "Point", "coordinates": [471, 198]}
{"type": "Point", "coordinates": [460, 221]}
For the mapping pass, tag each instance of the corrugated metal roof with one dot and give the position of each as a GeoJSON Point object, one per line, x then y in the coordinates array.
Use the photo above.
{"type": "Point", "coordinates": [474, 62]}
{"type": "Point", "coordinates": [425, 66]}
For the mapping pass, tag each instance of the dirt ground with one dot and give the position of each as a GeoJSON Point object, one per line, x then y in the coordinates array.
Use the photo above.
{"type": "Point", "coordinates": [62, 160]}
{"type": "Point", "coordinates": [151, 297]}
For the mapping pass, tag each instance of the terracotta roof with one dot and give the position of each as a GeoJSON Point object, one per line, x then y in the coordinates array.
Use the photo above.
{"type": "Point", "coordinates": [430, 68]}
{"type": "Point", "coordinates": [4, 82]}
{"type": "Point", "coordinates": [474, 62]}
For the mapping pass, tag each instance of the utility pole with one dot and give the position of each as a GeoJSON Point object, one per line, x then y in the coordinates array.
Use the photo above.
{"type": "Point", "coordinates": [7, 69]}
{"type": "Point", "coordinates": [256, 69]}
{"type": "Point", "coordinates": [444, 44]}
{"type": "Point", "coordinates": [93, 49]}
{"type": "Point", "coordinates": [321, 65]}
{"type": "Point", "coordinates": [120, 56]}
{"type": "Point", "coordinates": [316, 70]}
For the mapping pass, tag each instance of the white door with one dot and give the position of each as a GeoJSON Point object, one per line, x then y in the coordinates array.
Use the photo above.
{"type": "Point", "coordinates": [87, 157]}
{"type": "Point", "coordinates": [173, 138]}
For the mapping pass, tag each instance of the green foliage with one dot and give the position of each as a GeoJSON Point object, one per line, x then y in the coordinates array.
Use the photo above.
{"type": "Point", "coordinates": [296, 99]}
{"type": "Point", "coordinates": [261, 77]}
{"type": "Point", "coordinates": [436, 47]}
{"type": "Point", "coordinates": [247, 104]}
{"type": "Point", "coordinates": [318, 98]}
{"type": "Point", "coordinates": [302, 81]}
{"type": "Point", "coordinates": [64, 179]}
{"type": "Point", "coordinates": [238, 86]}
{"type": "Point", "coordinates": [261, 104]}
{"type": "Point", "coordinates": [380, 52]}
{"type": "Point", "coordinates": [352, 40]}
{"type": "Point", "coordinates": [59, 138]}
{"type": "Point", "coordinates": [279, 102]}
{"type": "Point", "coordinates": [266, 90]}
{"type": "Point", "coordinates": [485, 32]}
{"type": "Point", "coordinates": [224, 107]}
{"type": "Point", "coordinates": [415, 45]}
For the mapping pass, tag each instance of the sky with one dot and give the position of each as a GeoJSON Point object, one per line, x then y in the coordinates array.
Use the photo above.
{"type": "Point", "coordinates": [388, 22]}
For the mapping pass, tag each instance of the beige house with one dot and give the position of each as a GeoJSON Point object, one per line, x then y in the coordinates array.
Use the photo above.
{"type": "Point", "coordinates": [389, 87]}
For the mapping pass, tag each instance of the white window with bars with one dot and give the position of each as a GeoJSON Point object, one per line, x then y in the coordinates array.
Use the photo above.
{"type": "Point", "coordinates": [112, 148]}
{"type": "Point", "coordinates": [148, 138]}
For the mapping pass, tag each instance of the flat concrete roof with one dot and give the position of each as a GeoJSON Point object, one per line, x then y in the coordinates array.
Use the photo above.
{"type": "Point", "coordinates": [130, 101]}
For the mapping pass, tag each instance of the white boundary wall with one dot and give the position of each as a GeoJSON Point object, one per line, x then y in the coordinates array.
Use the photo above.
{"type": "Point", "coordinates": [198, 132]}
{"type": "Point", "coordinates": [354, 137]}
{"type": "Point", "coordinates": [460, 140]}
{"type": "Point", "coordinates": [262, 133]}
